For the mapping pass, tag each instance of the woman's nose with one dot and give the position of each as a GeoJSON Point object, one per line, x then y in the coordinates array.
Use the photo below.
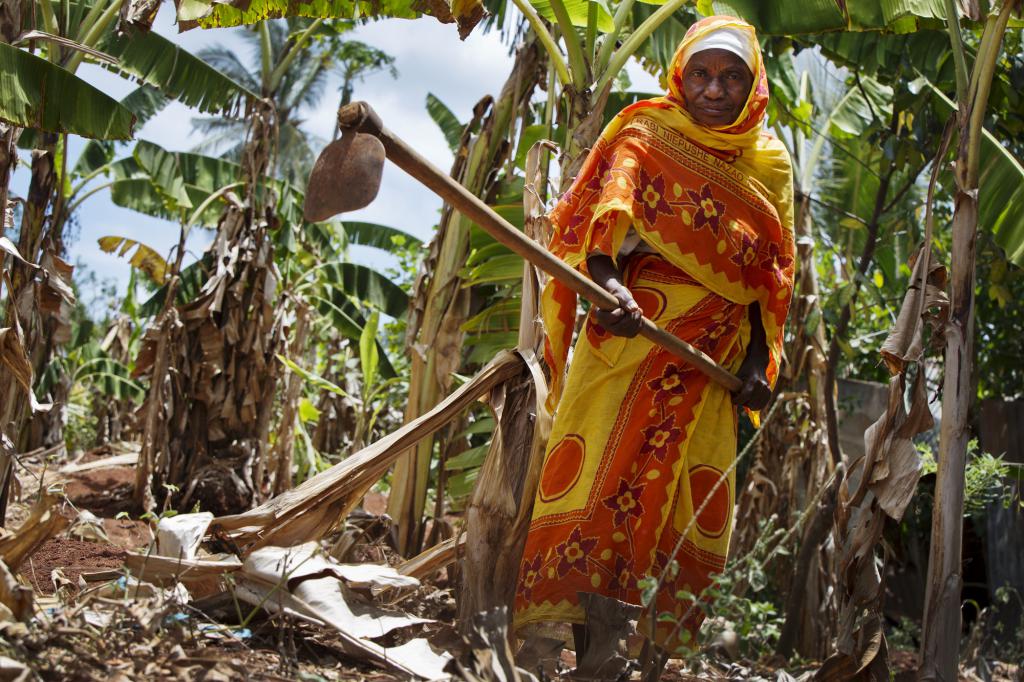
{"type": "Point", "coordinates": [714, 89]}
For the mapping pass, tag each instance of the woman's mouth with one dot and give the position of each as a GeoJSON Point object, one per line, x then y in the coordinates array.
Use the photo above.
{"type": "Point", "coordinates": [717, 111]}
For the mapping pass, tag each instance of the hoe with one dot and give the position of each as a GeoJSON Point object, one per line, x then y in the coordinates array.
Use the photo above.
{"type": "Point", "coordinates": [346, 177]}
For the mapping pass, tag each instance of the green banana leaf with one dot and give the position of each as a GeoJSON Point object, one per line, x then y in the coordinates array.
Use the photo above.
{"type": "Point", "coordinates": [1001, 190]}
{"type": "Point", "coordinates": [338, 310]}
{"type": "Point", "coordinates": [861, 106]}
{"type": "Point", "coordinates": [445, 120]}
{"type": "Point", "coordinates": [820, 16]}
{"type": "Point", "coordinates": [366, 284]}
{"type": "Point", "coordinates": [378, 236]}
{"type": "Point", "coordinates": [220, 13]}
{"type": "Point", "coordinates": [35, 93]}
{"type": "Point", "coordinates": [577, 11]}
{"type": "Point", "coordinates": [144, 102]}
{"type": "Point", "coordinates": [180, 75]}
{"type": "Point", "coordinates": [166, 184]}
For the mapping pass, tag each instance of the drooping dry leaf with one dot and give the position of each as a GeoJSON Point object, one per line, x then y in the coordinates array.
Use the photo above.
{"type": "Point", "coordinates": [904, 342]}
{"type": "Point", "coordinates": [884, 481]}
{"type": "Point", "coordinates": [58, 276]}
{"type": "Point", "coordinates": [14, 357]}
{"type": "Point", "coordinates": [138, 14]}
{"type": "Point", "coordinates": [8, 247]}
{"type": "Point", "coordinates": [970, 9]}
{"type": "Point", "coordinates": [499, 511]}
{"type": "Point", "coordinates": [145, 258]}
{"type": "Point", "coordinates": [56, 297]}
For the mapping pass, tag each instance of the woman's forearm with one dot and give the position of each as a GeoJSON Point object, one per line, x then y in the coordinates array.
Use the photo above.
{"type": "Point", "coordinates": [627, 318]}
{"type": "Point", "coordinates": [603, 271]}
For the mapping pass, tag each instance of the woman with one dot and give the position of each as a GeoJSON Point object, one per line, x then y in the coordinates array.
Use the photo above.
{"type": "Point", "coordinates": [683, 210]}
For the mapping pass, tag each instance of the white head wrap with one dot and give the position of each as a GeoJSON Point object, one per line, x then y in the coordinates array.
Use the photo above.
{"type": "Point", "coordinates": [731, 39]}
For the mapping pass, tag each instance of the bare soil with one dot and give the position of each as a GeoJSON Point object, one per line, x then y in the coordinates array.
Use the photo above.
{"type": "Point", "coordinates": [104, 492]}
{"type": "Point", "coordinates": [72, 557]}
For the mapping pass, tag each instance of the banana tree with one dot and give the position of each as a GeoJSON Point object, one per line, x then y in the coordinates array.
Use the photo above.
{"type": "Point", "coordinates": [299, 85]}
{"type": "Point", "coordinates": [348, 299]}
{"type": "Point", "coordinates": [440, 301]}
{"type": "Point", "coordinates": [942, 620]}
{"type": "Point", "coordinates": [43, 95]}
{"type": "Point", "coordinates": [214, 13]}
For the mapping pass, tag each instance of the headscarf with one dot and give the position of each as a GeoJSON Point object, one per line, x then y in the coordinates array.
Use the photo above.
{"type": "Point", "coordinates": [730, 39]}
{"type": "Point", "coordinates": [742, 141]}
{"type": "Point", "coordinates": [581, 216]}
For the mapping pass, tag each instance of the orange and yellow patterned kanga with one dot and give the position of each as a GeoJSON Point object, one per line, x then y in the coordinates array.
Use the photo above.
{"type": "Point", "coordinates": [640, 439]}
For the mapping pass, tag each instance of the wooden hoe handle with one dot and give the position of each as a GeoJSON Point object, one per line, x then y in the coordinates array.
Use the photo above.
{"type": "Point", "coordinates": [360, 117]}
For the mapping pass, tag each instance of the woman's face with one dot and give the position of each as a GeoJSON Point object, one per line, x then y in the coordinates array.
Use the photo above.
{"type": "Point", "coordinates": [716, 84]}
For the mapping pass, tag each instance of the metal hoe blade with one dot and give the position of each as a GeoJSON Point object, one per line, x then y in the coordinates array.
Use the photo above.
{"type": "Point", "coordinates": [345, 177]}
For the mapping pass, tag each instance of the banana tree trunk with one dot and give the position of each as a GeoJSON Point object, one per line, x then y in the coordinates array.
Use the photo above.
{"type": "Point", "coordinates": [437, 339]}
{"type": "Point", "coordinates": [284, 449]}
{"type": "Point", "coordinates": [22, 302]}
{"type": "Point", "coordinates": [10, 29]}
{"type": "Point", "coordinates": [8, 155]}
{"type": "Point", "coordinates": [501, 507]}
{"type": "Point", "coordinates": [214, 431]}
{"type": "Point", "coordinates": [940, 641]}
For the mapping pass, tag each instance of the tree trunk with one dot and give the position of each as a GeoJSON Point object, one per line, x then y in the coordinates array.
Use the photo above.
{"type": "Point", "coordinates": [501, 507]}
{"type": "Point", "coordinates": [940, 641]}
{"type": "Point", "coordinates": [8, 156]}
{"type": "Point", "coordinates": [284, 449]}
{"type": "Point", "coordinates": [22, 301]}
{"type": "Point", "coordinates": [223, 367]}
{"type": "Point", "coordinates": [10, 29]}
{"type": "Point", "coordinates": [804, 630]}
{"type": "Point", "coordinates": [941, 644]}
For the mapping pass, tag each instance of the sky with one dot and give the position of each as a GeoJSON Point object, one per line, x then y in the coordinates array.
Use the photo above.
{"type": "Point", "coordinates": [429, 58]}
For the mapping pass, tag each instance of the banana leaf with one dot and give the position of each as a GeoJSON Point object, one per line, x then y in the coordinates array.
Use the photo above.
{"type": "Point", "coordinates": [378, 236]}
{"type": "Point", "coordinates": [1001, 190]}
{"type": "Point", "coordinates": [220, 13]}
{"type": "Point", "coordinates": [35, 93]}
{"type": "Point", "coordinates": [820, 16]}
{"type": "Point", "coordinates": [366, 284]}
{"type": "Point", "coordinates": [445, 120]}
{"type": "Point", "coordinates": [577, 11]}
{"type": "Point", "coordinates": [177, 73]}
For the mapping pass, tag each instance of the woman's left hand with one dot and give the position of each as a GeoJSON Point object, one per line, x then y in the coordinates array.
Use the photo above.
{"type": "Point", "coordinates": [755, 392]}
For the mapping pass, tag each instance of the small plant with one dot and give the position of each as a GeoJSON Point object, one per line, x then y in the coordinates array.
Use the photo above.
{"type": "Point", "coordinates": [985, 479]}
{"type": "Point", "coordinates": [905, 636]}
{"type": "Point", "coordinates": [757, 623]}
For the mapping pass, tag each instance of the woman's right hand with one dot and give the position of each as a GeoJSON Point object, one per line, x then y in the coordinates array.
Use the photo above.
{"type": "Point", "coordinates": [624, 320]}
